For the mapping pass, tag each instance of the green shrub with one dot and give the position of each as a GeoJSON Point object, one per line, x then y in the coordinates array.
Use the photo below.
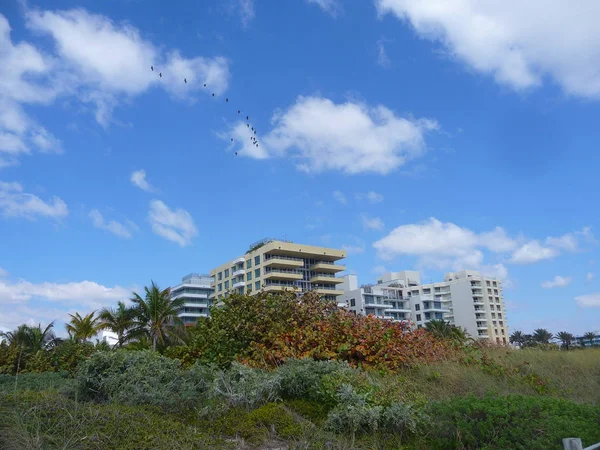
{"type": "Point", "coordinates": [48, 381]}
{"type": "Point", "coordinates": [33, 420]}
{"type": "Point", "coordinates": [246, 387]}
{"type": "Point", "coordinates": [312, 410]}
{"type": "Point", "coordinates": [512, 422]}
{"type": "Point", "coordinates": [303, 378]}
{"type": "Point", "coordinates": [143, 377]}
{"type": "Point", "coordinates": [353, 414]}
{"type": "Point", "coordinates": [271, 420]}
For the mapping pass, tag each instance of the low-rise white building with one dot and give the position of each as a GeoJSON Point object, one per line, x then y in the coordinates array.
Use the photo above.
{"type": "Point", "coordinates": [466, 299]}
{"type": "Point", "coordinates": [196, 290]}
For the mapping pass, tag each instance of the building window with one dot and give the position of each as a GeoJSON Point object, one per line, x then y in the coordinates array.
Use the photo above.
{"type": "Point", "coordinates": [221, 276]}
{"type": "Point", "coordinates": [249, 288]}
{"type": "Point", "coordinates": [257, 260]}
{"type": "Point", "coordinates": [418, 317]}
{"type": "Point", "coordinates": [221, 287]}
{"type": "Point", "coordinates": [226, 273]}
{"type": "Point", "coordinates": [256, 273]}
{"type": "Point", "coordinates": [487, 282]}
{"type": "Point", "coordinates": [248, 264]}
{"type": "Point", "coordinates": [257, 286]}
{"type": "Point", "coordinates": [495, 284]}
{"type": "Point", "coordinates": [249, 276]}
{"type": "Point", "coordinates": [352, 302]}
{"type": "Point", "coordinates": [493, 315]}
{"type": "Point", "coordinates": [417, 307]}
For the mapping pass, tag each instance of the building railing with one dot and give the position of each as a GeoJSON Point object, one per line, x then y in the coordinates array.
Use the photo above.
{"type": "Point", "coordinates": [576, 444]}
{"type": "Point", "coordinates": [290, 258]}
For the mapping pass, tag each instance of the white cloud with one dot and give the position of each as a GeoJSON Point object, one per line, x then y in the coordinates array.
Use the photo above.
{"type": "Point", "coordinates": [571, 241]}
{"type": "Point", "coordinates": [349, 137]}
{"type": "Point", "coordinates": [437, 244]}
{"type": "Point", "coordinates": [382, 57]}
{"type": "Point", "coordinates": [353, 249]}
{"type": "Point", "coordinates": [589, 300]}
{"type": "Point", "coordinates": [16, 203]}
{"type": "Point", "coordinates": [532, 252]}
{"type": "Point", "coordinates": [372, 223]}
{"type": "Point", "coordinates": [379, 270]}
{"type": "Point", "coordinates": [589, 276]}
{"type": "Point", "coordinates": [21, 66]}
{"type": "Point", "coordinates": [246, 10]}
{"type": "Point", "coordinates": [138, 178]}
{"type": "Point", "coordinates": [503, 38]}
{"type": "Point", "coordinates": [52, 300]}
{"type": "Point", "coordinates": [340, 197]}
{"type": "Point", "coordinates": [332, 7]}
{"type": "Point", "coordinates": [175, 225]}
{"type": "Point", "coordinates": [95, 61]}
{"type": "Point", "coordinates": [371, 197]}
{"type": "Point", "coordinates": [557, 281]}
{"type": "Point", "coordinates": [498, 271]}
{"type": "Point", "coordinates": [3, 272]}
{"type": "Point", "coordinates": [112, 226]}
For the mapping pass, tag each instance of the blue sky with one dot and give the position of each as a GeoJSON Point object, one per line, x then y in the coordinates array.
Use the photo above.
{"type": "Point", "coordinates": [430, 135]}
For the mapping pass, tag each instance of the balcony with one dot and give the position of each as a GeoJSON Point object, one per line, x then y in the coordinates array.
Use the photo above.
{"type": "Point", "coordinates": [391, 309]}
{"type": "Point", "coordinates": [239, 284]}
{"type": "Point", "coordinates": [325, 291]}
{"type": "Point", "coordinates": [195, 305]}
{"type": "Point", "coordinates": [325, 279]}
{"type": "Point", "coordinates": [327, 267]}
{"type": "Point", "coordinates": [283, 262]}
{"type": "Point", "coordinates": [481, 326]}
{"type": "Point", "coordinates": [280, 288]}
{"type": "Point", "coordinates": [240, 260]}
{"type": "Point", "coordinates": [188, 295]}
{"type": "Point", "coordinates": [192, 314]}
{"type": "Point", "coordinates": [477, 293]}
{"type": "Point", "coordinates": [374, 304]}
{"type": "Point", "coordinates": [478, 302]}
{"type": "Point", "coordinates": [283, 275]}
{"type": "Point", "coordinates": [238, 272]}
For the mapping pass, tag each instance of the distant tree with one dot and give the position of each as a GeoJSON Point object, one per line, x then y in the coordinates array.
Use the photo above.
{"type": "Point", "coordinates": [565, 338]}
{"type": "Point", "coordinates": [517, 337]}
{"type": "Point", "coordinates": [83, 328]}
{"type": "Point", "coordinates": [155, 315]}
{"type": "Point", "coordinates": [445, 330]}
{"type": "Point", "coordinates": [30, 340]}
{"type": "Point", "coordinates": [542, 336]}
{"type": "Point", "coordinates": [119, 321]}
{"type": "Point", "coordinates": [589, 336]}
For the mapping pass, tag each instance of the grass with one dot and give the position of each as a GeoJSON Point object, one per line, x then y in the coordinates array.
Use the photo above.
{"type": "Point", "coordinates": [498, 399]}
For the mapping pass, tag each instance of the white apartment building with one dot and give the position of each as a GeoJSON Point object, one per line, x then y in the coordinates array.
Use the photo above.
{"type": "Point", "coordinates": [196, 290]}
{"type": "Point", "coordinates": [466, 299]}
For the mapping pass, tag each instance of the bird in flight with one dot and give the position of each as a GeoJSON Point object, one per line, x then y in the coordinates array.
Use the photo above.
{"type": "Point", "coordinates": [253, 139]}
{"type": "Point", "coordinates": [235, 153]}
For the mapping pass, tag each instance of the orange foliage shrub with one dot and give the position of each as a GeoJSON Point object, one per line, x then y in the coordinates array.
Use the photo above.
{"type": "Point", "coordinates": [322, 331]}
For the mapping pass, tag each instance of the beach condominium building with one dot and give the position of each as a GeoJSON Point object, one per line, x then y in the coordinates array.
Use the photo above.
{"type": "Point", "coordinates": [274, 265]}
{"type": "Point", "coordinates": [196, 290]}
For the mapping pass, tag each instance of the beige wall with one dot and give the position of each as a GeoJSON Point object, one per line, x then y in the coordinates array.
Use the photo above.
{"type": "Point", "coordinates": [282, 271]}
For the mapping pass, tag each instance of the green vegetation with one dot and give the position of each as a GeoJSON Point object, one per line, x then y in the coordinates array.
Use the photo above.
{"type": "Point", "coordinates": [268, 371]}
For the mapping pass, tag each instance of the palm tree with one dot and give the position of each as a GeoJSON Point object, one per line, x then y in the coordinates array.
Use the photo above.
{"type": "Point", "coordinates": [565, 338]}
{"type": "Point", "coordinates": [590, 336]}
{"type": "Point", "coordinates": [517, 337]}
{"type": "Point", "coordinates": [156, 314]}
{"type": "Point", "coordinates": [119, 321]}
{"type": "Point", "coordinates": [445, 330]}
{"type": "Point", "coordinates": [83, 328]}
{"type": "Point", "coordinates": [542, 336]}
{"type": "Point", "coordinates": [30, 338]}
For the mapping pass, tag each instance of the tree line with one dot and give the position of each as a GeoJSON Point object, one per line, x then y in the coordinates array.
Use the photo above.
{"type": "Point", "coordinates": [543, 337]}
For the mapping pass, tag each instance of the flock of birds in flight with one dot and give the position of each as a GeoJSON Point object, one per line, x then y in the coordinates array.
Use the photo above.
{"type": "Point", "coordinates": [239, 111]}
